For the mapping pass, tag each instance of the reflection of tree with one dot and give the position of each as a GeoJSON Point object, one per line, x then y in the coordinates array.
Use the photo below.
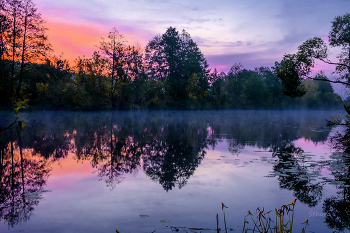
{"type": "Point", "coordinates": [294, 176]}
{"type": "Point", "coordinates": [111, 151]}
{"type": "Point", "coordinates": [124, 158]}
{"type": "Point", "coordinates": [170, 150]}
{"type": "Point", "coordinates": [267, 129]}
{"type": "Point", "coordinates": [337, 208]}
{"type": "Point", "coordinates": [114, 143]}
{"type": "Point", "coordinates": [55, 146]}
{"type": "Point", "coordinates": [337, 213]}
{"type": "Point", "coordinates": [340, 140]}
{"type": "Point", "coordinates": [19, 177]}
{"type": "Point", "coordinates": [173, 158]}
{"type": "Point", "coordinates": [234, 146]}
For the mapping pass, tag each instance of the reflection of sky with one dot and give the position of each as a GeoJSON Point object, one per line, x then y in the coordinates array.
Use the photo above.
{"type": "Point", "coordinates": [80, 203]}
{"type": "Point", "coordinates": [256, 33]}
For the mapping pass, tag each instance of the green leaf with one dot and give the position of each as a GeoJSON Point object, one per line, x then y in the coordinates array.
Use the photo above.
{"type": "Point", "coordinates": [21, 125]}
{"type": "Point", "coordinates": [16, 110]}
{"type": "Point", "coordinates": [165, 220]}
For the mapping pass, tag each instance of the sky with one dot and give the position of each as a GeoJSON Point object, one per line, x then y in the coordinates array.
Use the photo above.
{"type": "Point", "coordinates": [253, 32]}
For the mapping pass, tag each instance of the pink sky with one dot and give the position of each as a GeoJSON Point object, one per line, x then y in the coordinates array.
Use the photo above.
{"type": "Point", "coordinates": [254, 33]}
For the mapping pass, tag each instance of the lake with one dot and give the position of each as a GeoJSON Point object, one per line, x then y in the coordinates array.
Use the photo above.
{"type": "Point", "coordinates": [165, 171]}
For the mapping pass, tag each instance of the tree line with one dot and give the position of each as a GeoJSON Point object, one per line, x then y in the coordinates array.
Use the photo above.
{"type": "Point", "coordinates": [169, 73]}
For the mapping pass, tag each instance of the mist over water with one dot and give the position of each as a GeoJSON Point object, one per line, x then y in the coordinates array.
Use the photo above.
{"type": "Point", "coordinates": [165, 170]}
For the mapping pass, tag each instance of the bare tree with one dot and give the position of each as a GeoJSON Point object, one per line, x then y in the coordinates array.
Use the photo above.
{"type": "Point", "coordinates": [34, 40]}
{"type": "Point", "coordinates": [114, 51]}
{"type": "Point", "coordinates": [22, 35]}
{"type": "Point", "coordinates": [13, 9]}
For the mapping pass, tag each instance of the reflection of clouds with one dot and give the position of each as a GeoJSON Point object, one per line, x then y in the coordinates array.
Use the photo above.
{"type": "Point", "coordinates": [214, 183]}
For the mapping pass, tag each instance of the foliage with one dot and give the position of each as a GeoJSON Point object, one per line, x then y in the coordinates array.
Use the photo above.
{"type": "Point", "coordinates": [176, 57]}
{"type": "Point", "coordinates": [294, 68]}
{"type": "Point", "coordinates": [171, 73]}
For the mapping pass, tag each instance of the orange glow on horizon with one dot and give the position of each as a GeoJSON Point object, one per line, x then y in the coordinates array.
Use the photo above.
{"type": "Point", "coordinates": [69, 166]}
{"type": "Point", "coordinates": [72, 40]}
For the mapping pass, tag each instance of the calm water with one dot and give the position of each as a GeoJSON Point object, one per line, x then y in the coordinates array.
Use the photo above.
{"type": "Point", "coordinates": [166, 170]}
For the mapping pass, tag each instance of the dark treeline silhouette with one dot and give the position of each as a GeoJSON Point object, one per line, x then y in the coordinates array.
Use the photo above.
{"type": "Point", "coordinates": [170, 73]}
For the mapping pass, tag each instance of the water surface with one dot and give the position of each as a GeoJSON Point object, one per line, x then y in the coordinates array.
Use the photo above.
{"type": "Point", "coordinates": [164, 171]}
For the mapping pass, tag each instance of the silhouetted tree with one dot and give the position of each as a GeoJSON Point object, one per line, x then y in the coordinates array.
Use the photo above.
{"type": "Point", "coordinates": [294, 68]}
{"type": "Point", "coordinates": [176, 57]}
{"type": "Point", "coordinates": [234, 85]}
{"type": "Point", "coordinates": [34, 46]}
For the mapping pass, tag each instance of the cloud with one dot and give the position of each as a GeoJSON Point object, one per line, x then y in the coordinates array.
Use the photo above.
{"type": "Point", "coordinates": [254, 32]}
{"type": "Point", "coordinates": [223, 62]}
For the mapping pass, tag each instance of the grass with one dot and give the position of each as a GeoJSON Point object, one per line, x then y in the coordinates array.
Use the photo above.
{"type": "Point", "coordinates": [262, 222]}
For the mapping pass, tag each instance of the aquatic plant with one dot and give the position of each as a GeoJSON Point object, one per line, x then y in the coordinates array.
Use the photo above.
{"type": "Point", "coordinates": [222, 207]}
{"type": "Point", "coordinates": [262, 222]}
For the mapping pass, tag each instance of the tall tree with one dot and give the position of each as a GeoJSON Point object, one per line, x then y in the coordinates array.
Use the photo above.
{"type": "Point", "coordinates": [114, 52]}
{"type": "Point", "coordinates": [124, 64]}
{"type": "Point", "coordinates": [4, 27]}
{"type": "Point", "coordinates": [13, 12]}
{"type": "Point", "coordinates": [234, 85]}
{"type": "Point", "coordinates": [34, 40]}
{"type": "Point", "coordinates": [8, 48]}
{"type": "Point", "coordinates": [294, 68]}
{"type": "Point", "coordinates": [22, 36]}
{"type": "Point", "coordinates": [176, 57]}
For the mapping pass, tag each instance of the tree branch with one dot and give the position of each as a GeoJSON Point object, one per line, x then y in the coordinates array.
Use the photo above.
{"type": "Point", "coordinates": [331, 123]}
{"type": "Point", "coordinates": [14, 122]}
{"type": "Point", "coordinates": [333, 63]}
{"type": "Point", "coordinates": [331, 81]}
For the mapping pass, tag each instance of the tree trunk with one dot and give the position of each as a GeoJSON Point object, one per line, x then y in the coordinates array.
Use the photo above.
{"type": "Point", "coordinates": [23, 53]}
{"type": "Point", "coordinates": [2, 47]}
{"type": "Point", "coordinates": [113, 71]}
{"type": "Point", "coordinates": [20, 150]}
{"type": "Point", "coordinates": [13, 43]}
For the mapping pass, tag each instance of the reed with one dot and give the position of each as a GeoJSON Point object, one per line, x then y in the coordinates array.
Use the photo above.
{"type": "Point", "coordinates": [283, 223]}
{"type": "Point", "coordinates": [263, 223]}
{"type": "Point", "coordinates": [223, 210]}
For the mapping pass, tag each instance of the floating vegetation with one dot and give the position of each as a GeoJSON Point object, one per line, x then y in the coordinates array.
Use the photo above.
{"type": "Point", "coordinates": [144, 215]}
{"type": "Point", "coordinates": [338, 182]}
{"type": "Point", "coordinates": [193, 229]}
{"type": "Point", "coordinates": [318, 130]}
{"type": "Point", "coordinates": [294, 166]}
{"type": "Point", "coordinates": [35, 195]}
{"type": "Point", "coordinates": [165, 220]}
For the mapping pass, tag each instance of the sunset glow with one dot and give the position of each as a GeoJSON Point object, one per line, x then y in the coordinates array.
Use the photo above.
{"type": "Point", "coordinates": [253, 33]}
